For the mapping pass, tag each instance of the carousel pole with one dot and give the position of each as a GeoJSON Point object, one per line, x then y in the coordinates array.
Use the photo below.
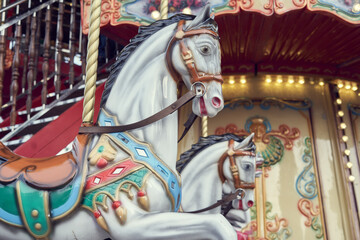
{"type": "Point", "coordinates": [91, 63]}
{"type": "Point", "coordinates": [164, 9]}
{"type": "Point", "coordinates": [204, 126]}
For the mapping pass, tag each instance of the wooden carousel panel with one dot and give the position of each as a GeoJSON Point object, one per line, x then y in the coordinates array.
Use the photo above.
{"type": "Point", "coordinates": [144, 12]}
{"type": "Point", "coordinates": [347, 10]}
{"type": "Point", "coordinates": [269, 7]}
{"type": "Point", "coordinates": [288, 202]}
{"type": "Point", "coordinates": [298, 195]}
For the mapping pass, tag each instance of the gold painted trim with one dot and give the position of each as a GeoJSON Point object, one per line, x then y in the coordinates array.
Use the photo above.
{"type": "Point", "coordinates": [46, 209]}
{"type": "Point", "coordinates": [257, 197]}
{"type": "Point", "coordinates": [264, 205]}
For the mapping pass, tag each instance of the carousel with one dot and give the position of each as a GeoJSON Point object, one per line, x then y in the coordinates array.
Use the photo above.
{"type": "Point", "coordinates": [218, 120]}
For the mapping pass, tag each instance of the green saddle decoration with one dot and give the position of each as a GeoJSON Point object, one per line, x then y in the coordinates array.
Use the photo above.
{"type": "Point", "coordinates": [34, 209]}
{"type": "Point", "coordinates": [98, 195]}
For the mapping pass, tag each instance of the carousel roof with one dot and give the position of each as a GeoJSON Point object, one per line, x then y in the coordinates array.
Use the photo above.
{"type": "Point", "coordinates": [298, 41]}
{"type": "Point", "coordinates": [298, 37]}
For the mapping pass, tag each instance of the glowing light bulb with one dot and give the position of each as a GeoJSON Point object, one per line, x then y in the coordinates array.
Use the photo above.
{"type": "Point", "coordinates": [342, 125]}
{"type": "Point", "coordinates": [155, 15]}
{"type": "Point", "coordinates": [347, 86]}
{"type": "Point", "coordinates": [186, 10]}
{"type": "Point", "coordinates": [349, 164]}
{"type": "Point", "coordinates": [351, 178]}
{"type": "Point", "coordinates": [354, 87]}
{"type": "Point", "coordinates": [345, 138]}
{"type": "Point", "coordinates": [279, 79]}
{"type": "Point", "coordinates": [321, 82]}
{"type": "Point", "coordinates": [242, 80]}
{"type": "Point", "coordinates": [291, 79]}
{"type": "Point", "coordinates": [356, 8]}
{"type": "Point", "coordinates": [347, 152]}
{"type": "Point", "coordinates": [340, 84]}
{"type": "Point", "coordinates": [268, 79]}
{"type": "Point", "coordinates": [301, 80]}
{"type": "Point", "coordinates": [338, 101]}
{"type": "Point", "coordinates": [340, 113]}
{"type": "Point", "coordinates": [231, 80]}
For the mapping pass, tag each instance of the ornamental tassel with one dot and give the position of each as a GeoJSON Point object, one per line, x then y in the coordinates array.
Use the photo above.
{"type": "Point", "coordinates": [120, 211]}
{"type": "Point", "coordinates": [100, 220]}
{"type": "Point", "coordinates": [143, 200]}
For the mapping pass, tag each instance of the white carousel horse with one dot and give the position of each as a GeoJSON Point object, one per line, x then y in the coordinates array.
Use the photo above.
{"type": "Point", "coordinates": [131, 185]}
{"type": "Point", "coordinates": [207, 173]}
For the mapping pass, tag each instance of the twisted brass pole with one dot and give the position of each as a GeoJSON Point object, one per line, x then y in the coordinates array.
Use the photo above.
{"type": "Point", "coordinates": [204, 126]}
{"type": "Point", "coordinates": [92, 62]}
{"type": "Point", "coordinates": [164, 9]}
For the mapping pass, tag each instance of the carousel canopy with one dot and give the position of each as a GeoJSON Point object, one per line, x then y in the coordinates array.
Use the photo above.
{"type": "Point", "coordinates": [312, 37]}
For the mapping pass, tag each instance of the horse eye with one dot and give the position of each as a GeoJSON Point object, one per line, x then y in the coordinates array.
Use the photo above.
{"type": "Point", "coordinates": [205, 49]}
{"type": "Point", "coordinates": [246, 167]}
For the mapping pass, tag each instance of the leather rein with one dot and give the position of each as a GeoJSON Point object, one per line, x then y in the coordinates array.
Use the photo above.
{"type": "Point", "coordinates": [197, 80]}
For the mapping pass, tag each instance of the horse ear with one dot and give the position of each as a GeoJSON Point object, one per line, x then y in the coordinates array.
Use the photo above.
{"type": "Point", "coordinates": [245, 142]}
{"type": "Point", "coordinates": [201, 17]}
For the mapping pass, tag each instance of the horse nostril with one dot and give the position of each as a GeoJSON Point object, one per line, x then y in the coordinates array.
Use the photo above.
{"type": "Point", "coordinates": [216, 102]}
{"type": "Point", "coordinates": [250, 203]}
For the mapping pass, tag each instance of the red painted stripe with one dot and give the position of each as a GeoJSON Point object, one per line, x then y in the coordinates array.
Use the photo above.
{"type": "Point", "coordinates": [108, 175]}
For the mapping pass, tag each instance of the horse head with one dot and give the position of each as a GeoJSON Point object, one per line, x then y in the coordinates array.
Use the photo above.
{"type": "Point", "coordinates": [239, 170]}
{"type": "Point", "coordinates": [194, 56]}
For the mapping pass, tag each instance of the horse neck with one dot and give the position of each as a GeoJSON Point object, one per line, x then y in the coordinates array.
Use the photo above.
{"type": "Point", "coordinates": [201, 183]}
{"type": "Point", "coordinates": [143, 88]}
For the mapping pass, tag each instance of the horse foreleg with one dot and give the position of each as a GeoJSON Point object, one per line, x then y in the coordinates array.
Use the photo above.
{"type": "Point", "coordinates": [173, 226]}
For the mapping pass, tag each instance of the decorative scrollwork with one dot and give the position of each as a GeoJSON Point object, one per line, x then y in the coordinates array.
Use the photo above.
{"type": "Point", "coordinates": [306, 207]}
{"type": "Point", "coordinates": [235, 103]}
{"type": "Point", "coordinates": [317, 227]}
{"type": "Point", "coordinates": [278, 4]}
{"type": "Point", "coordinates": [247, 4]}
{"type": "Point", "coordinates": [110, 12]}
{"type": "Point", "coordinates": [269, 6]}
{"type": "Point", "coordinates": [312, 215]}
{"type": "Point", "coordinates": [305, 104]}
{"type": "Point", "coordinates": [231, 128]}
{"type": "Point", "coordinates": [305, 183]}
{"type": "Point", "coordinates": [285, 133]}
{"type": "Point", "coordinates": [299, 3]}
{"type": "Point", "coordinates": [268, 142]}
{"type": "Point", "coordinates": [278, 228]}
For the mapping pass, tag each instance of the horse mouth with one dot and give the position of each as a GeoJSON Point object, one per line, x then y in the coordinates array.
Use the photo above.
{"type": "Point", "coordinates": [203, 110]}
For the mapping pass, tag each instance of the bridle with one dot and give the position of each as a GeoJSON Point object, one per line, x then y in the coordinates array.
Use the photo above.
{"type": "Point", "coordinates": [240, 185]}
{"type": "Point", "coordinates": [231, 153]}
{"type": "Point", "coordinates": [197, 80]}
{"type": "Point", "coordinates": [187, 55]}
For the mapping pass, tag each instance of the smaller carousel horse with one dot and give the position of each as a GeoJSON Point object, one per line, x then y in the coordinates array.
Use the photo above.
{"type": "Point", "coordinates": [216, 167]}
